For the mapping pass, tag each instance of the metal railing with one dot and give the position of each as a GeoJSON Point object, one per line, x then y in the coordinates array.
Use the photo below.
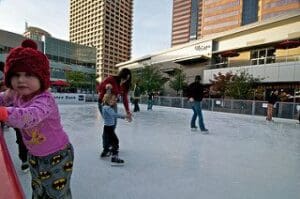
{"type": "Point", "coordinates": [10, 185]}
{"type": "Point", "coordinates": [288, 110]}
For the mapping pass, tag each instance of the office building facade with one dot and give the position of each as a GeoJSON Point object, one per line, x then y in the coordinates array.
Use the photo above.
{"type": "Point", "coordinates": [268, 49]}
{"type": "Point", "coordinates": [194, 19]}
{"type": "Point", "coordinates": [106, 25]}
{"type": "Point", "coordinates": [64, 56]}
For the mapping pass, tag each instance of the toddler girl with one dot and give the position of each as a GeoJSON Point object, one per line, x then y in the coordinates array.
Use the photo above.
{"type": "Point", "coordinates": [30, 107]}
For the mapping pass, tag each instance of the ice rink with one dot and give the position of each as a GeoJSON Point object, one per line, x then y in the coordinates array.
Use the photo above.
{"type": "Point", "coordinates": [243, 157]}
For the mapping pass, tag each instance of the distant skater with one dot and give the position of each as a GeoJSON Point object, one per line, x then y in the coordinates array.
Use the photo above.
{"type": "Point", "coordinates": [195, 95]}
{"type": "Point", "coordinates": [150, 101]}
{"type": "Point", "coordinates": [272, 99]}
{"type": "Point", "coordinates": [110, 139]}
{"type": "Point", "coordinates": [136, 97]}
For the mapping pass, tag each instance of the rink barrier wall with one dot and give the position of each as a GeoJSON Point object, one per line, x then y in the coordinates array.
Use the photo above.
{"type": "Point", "coordinates": [288, 110]}
{"type": "Point", "coordinates": [10, 187]}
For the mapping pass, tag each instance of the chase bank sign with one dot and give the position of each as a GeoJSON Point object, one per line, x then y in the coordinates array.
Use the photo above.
{"type": "Point", "coordinates": [204, 48]}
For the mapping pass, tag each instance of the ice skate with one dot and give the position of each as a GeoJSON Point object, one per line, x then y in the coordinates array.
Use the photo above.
{"type": "Point", "coordinates": [105, 154]}
{"type": "Point", "coordinates": [116, 161]}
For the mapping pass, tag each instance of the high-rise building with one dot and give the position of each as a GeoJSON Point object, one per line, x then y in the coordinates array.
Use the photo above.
{"type": "Point", "coordinates": [186, 21]}
{"type": "Point", "coordinates": [194, 19]}
{"type": "Point", "coordinates": [106, 25]}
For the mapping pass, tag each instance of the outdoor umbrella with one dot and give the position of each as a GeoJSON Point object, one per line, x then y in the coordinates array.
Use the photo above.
{"type": "Point", "coordinates": [60, 83]}
{"type": "Point", "coordinates": [288, 44]}
{"type": "Point", "coordinates": [230, 53]}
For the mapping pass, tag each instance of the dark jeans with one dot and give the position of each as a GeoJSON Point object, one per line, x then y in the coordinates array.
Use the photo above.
{"type": "Point", "coordinates": [21, 146]}
{"type": "Point", "coordinates": [110, 139]}
{"type": "Point", "coordinates": [197, 110]}
{"type": "Point", "coordinates": [136, 105]}
{"type": "Point", "coordinates": [150, 104]}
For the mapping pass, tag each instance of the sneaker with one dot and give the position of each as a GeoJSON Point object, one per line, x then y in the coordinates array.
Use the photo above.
{"type": "Point", "coordinates": [194, 129]}
{"type": "Point", "coordinates": [105, 154]}
{"type": "Point", "coordinates": [204, 131]}
{"type": "Point", "coordinates": [25, 167]}
{"type": "Point", "coordinates": [116, 161]}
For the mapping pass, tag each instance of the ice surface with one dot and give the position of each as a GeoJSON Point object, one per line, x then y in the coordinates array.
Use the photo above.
{"type": "Point", "coordinates": [243, 157]}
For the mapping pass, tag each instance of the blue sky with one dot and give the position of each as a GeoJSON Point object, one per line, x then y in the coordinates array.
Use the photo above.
{"type": "Point", "coordinates": [151, 23]}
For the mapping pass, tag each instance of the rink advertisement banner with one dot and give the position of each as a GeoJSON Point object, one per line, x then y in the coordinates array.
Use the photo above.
{"type": "Point", "coordinates": [69, 98]}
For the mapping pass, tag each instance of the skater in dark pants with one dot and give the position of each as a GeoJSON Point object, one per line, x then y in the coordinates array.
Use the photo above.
{"type": "Point", "coordinates": [195, 95]}
{"type": "Point", "coordinates": [110, 139]}
{"type": "Point", "coordinates": [22, 151]}
{"type": "Point", "coordinates": [272, 99]}
{"type": "Point", "coordinates": [136, 97]}
{"type": "Point", "coordinates": [150, 101]}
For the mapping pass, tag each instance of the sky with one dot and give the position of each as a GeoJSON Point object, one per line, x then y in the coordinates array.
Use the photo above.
{"type": "Point", "coordinates": [152, 21]}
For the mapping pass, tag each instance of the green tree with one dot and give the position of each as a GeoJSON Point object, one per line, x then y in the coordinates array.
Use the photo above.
{"type": "Point", "coordinates": [242, 86]}
{"type": "Point", "coordinates": [81, 80]}
{"type": "Point", "coordinates": [151, 79]}
{"type": "Point", "coordinates": [178, 82]}
{"type": "Point", "coordinates": [220, 83]}
{"type": "Point", "coordinates": [237, 86]}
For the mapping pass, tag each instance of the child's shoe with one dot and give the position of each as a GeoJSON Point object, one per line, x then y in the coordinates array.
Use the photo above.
{"type": "Point", "coordinates": [105, 154]}
{"type": "Point", "coordinates": [116, 161]}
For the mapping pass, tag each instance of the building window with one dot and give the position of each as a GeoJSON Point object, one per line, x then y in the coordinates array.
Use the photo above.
{"type": "Point", "coordinates": [194, 19]}
{"type": "Point", "coordinates": [262, 56]}
{"type": "Point", "coordinates": [250, 11]}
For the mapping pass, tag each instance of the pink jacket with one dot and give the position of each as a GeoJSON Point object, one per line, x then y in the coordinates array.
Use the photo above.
{"type": "Point", "coordinates": [39, 121]}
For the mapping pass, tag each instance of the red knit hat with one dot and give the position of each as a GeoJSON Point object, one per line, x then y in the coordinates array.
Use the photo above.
{"type": "Point", "coordinates": [26, 58]}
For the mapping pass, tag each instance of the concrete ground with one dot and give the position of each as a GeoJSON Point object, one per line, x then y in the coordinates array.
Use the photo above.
{"type": "Point", "coordinates": [243, 157]}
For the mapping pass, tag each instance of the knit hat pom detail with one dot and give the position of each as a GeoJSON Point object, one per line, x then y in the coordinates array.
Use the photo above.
{"type": "Point", "coordinates": [28, 43]}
